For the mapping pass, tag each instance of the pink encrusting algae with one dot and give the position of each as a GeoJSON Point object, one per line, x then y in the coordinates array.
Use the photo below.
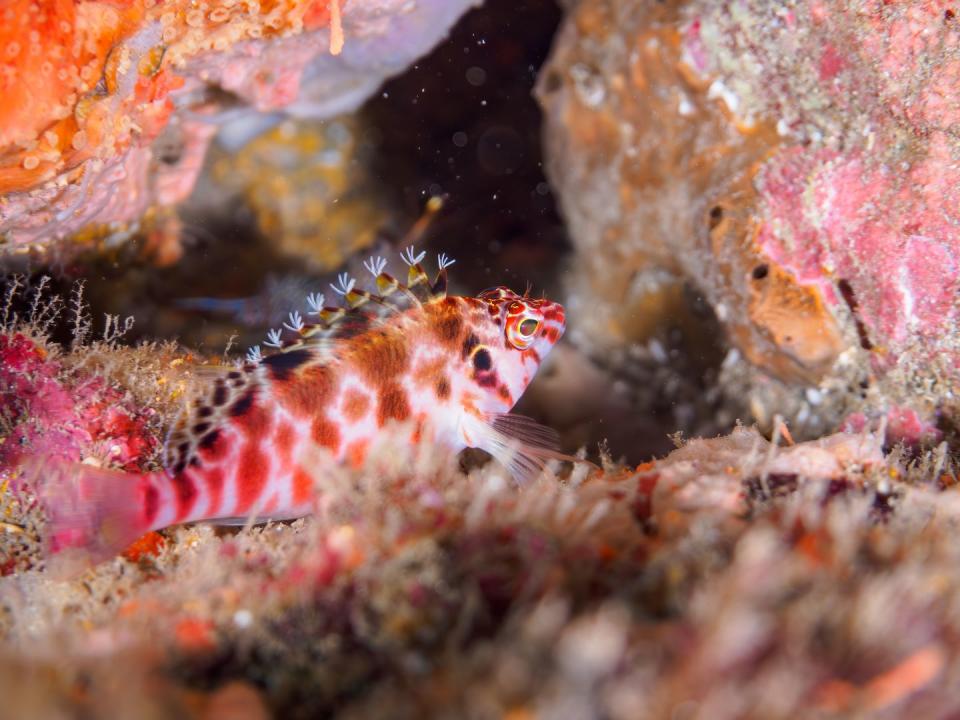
{"type": "Point", "coordinates": [259, 439]}
{"type": "Point", "coordinates": [860, 200]}
{"type": "Point", "coordinates": [59, 417]}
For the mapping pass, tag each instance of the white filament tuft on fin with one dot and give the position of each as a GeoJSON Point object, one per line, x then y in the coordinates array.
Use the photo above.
{"type": "Point", "coordinates": [254, 355]}
{"type": "Point", "coordinates": [296, 322]}
{"type": "Point", "coordinates": [444, 262]}
{"type": "Point", "coordinates": [315, 303]}
{"type": "Point", "coordinates": [409, 258]}
{"type": "Point", "coordinates": [375, 265]}
{"type": "Point", "coordinates": [344, 284]}
{"type": "Point", "coordinates": [273, 339]}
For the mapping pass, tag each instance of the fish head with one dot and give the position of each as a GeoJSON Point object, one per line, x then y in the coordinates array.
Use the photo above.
{"type": "Point", "coordinates": [520, 334]}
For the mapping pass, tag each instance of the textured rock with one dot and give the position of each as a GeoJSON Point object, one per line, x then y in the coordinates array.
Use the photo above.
{"type": "Point", "coordinates": [100, 88]}
{"type": "Point", "coordinates": [310, 188]}
{"type": "Point", "coordinates": [769, 155]}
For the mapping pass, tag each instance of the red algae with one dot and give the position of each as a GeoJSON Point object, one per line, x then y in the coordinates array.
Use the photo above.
{"type": "Point", "coordinates": [53, 413]}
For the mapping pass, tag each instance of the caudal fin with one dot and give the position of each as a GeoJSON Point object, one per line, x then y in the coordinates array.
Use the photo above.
{"type": "Point", "coordinates": [93, 514]}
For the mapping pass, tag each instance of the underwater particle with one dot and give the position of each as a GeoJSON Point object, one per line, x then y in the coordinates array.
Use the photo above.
{"type": "Point", "coordinates": [476, 76]}
{"type": "Point", "coordinates": [460, 139]}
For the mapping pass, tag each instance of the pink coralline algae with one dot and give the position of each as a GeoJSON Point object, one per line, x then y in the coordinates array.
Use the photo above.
{"type": "Point", "coordinates": [862, 198]}
{"type": "Point", "coordinates": [51, 413]}
{"type": "Point", "coordinates": [833, 218]}
{"type": "Point", "coordinates": [902, 425]}
{"type": "Point", "coordinates": [798, 163]}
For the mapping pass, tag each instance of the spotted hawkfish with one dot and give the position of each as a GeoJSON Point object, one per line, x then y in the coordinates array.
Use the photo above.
{"type": "Point", "coordinates": [257, 437]}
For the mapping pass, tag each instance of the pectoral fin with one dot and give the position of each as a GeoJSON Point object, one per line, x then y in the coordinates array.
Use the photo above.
{"type": "Point", "coordinates": [519, 443]}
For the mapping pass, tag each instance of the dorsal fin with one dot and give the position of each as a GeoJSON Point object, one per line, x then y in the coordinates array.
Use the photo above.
{"type": "Point", "coordinates": [361, 309]}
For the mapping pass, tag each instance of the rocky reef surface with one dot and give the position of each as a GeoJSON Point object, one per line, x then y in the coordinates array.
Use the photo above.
{"type": "Point", "coordinates": [797, 165]}
{"type": "Point", "coordinates": [109, 107]}
{"type": "Point", "coordinates": [735, 577]}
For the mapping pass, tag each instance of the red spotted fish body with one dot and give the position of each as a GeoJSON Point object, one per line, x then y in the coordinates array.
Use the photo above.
{"type": "Point", "coordinates": [255, 439]}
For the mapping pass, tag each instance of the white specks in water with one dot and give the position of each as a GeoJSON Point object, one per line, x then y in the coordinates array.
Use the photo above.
{"type": "Point", "coordinates": [543, 188]}
{"type": "Point", "coordinates": [476, 76]}
{"type": "Point", "coordinates": [460, 139]}
{"type": "Point", "coordinates": [588, 85]}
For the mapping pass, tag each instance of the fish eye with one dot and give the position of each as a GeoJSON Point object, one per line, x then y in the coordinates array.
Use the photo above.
{"type": "Point", "coordinates": [529, 326]}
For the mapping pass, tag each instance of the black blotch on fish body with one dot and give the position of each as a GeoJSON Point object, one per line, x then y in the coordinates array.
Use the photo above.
{"type": "Point", "coordinates": [201, 428]}
{"type": "Point", "coordinates": [220, 393]}
{"type": "Point", "coordinates": [208, 440]}
{"type": "Point", "coordinates": [482, 360]}
{"type": "Point", "coordinates": [242, 405]}
{"type": "Point", "coordinates": [282, 365]}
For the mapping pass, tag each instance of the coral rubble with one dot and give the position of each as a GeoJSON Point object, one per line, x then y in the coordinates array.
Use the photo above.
{"type": "Point", "coordinates": [735, 576]}
{"type": "Point", "coordinates": [769, 155]}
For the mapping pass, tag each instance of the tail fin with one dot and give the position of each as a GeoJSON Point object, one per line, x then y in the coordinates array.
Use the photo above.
{"type": "Point", "coordinates": [93, 514]}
